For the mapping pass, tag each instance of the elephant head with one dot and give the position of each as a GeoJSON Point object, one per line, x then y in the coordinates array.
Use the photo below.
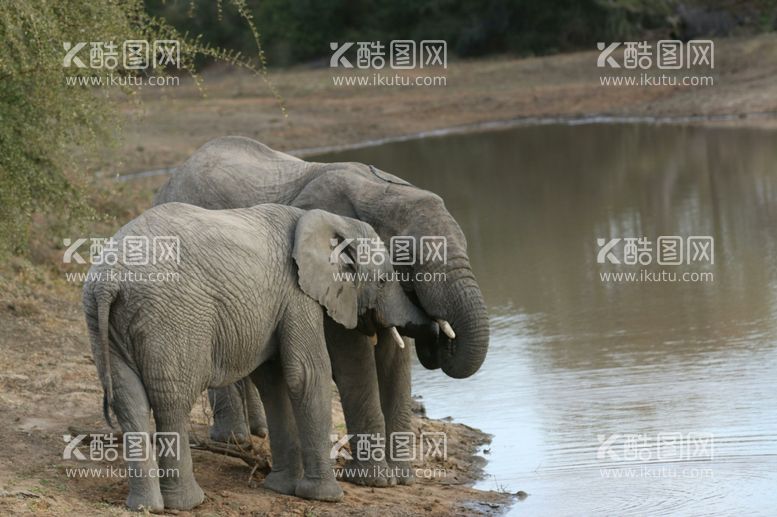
{"type": "Point", "coordinates": [357, 293]}
{"type": "Point", "coordinates": [446, 291]}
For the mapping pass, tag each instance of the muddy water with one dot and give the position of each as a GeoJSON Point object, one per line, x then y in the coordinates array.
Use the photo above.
{"type": "Point", "coordinates": [585, 377]}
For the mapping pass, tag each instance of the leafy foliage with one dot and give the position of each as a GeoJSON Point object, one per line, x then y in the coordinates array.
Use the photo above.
{"type": "Point", "coordinates": [300, 30]}
{"type": "Point", "coordinates": [48, 128]}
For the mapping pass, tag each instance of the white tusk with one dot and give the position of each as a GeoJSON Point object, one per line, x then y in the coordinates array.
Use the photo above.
{"type": "Point", "coordinates": [373, 339]}
{"type": "Point", "coordinates": [446, 329]}
{"type": "Point", "coordinates": [397, 337]}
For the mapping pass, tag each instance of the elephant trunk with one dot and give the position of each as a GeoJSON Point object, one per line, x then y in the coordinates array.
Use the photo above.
{"type": "Point", "coordinates": [459, 302]}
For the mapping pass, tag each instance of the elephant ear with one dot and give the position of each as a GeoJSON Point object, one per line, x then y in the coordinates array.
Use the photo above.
{"type": "Point", "coordinates": [390, 178]}
{"type": "Point", "coordinates": [318, 236]}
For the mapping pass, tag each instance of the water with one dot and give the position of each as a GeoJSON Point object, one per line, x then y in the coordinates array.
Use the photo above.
{"type": "Point", "coordinates": [574, 359]}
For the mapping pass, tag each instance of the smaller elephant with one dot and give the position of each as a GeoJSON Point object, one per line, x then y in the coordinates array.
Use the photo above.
{"type": "Point", "coordinates": [245, 295]}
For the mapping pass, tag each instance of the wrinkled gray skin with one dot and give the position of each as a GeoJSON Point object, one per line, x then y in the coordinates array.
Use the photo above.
{"type": "Point", "coordinates": [247, 302]}
{"type": "Point", "coordinates": [374, 384]}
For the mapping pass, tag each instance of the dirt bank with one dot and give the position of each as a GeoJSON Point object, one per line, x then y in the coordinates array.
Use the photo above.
{"type": "Point", "coordinates": [49, 387]}
{"type": "Point", "coordinates": [168, 126]}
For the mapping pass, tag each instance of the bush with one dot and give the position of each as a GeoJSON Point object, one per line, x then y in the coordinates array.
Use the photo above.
{"type": "Point", "coordinates": [51, 131]}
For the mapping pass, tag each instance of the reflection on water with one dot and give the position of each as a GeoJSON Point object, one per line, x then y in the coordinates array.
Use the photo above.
{"type": "Point", "coordinates": [574, 359]}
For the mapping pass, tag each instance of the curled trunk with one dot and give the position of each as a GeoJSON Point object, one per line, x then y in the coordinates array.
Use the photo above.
{"type": "Point", "coordinates": [458, 301]}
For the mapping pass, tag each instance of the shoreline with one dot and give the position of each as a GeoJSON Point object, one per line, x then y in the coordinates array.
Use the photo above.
{"type": "Point", "coordinates": [767, 119]}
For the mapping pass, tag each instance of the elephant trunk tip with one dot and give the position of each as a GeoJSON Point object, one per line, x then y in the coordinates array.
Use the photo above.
{"type": "Point", "coordinates": [466, 350]}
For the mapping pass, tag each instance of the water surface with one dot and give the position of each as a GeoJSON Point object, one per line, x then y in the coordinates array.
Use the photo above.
{"type": "Point", "coordinates": [574, 359]}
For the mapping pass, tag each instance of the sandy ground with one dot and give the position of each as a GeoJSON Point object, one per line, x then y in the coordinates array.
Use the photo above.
{"type": "Point", "coordinates": [49, 387]}
{"type": "Point", "coordinates": [48, 383]}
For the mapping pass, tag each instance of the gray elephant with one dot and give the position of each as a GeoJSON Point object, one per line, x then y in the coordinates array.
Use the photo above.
{"type": "Point", "coordinates": [374, 383]}
{"type": "Point", "coordinates": [244, 298]}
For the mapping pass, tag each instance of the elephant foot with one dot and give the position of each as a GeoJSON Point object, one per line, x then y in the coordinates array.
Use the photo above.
{"type": "Point", "coordinates": [151, 502]}
{"type": "Point", "coordinates": [375, 474]}
{"type": "Point", "coordinates": [184, 497]}
{"type": "Point", "coordinates": [237, 435]}
{"type": "Point", "coordinates": [402, 472]}
{"type": "Point", "coordinates": [283, 482]}
{"type": "Point", "coordinates": [319, 489]}
{"type": "Point", "coordinates": [259, 429]}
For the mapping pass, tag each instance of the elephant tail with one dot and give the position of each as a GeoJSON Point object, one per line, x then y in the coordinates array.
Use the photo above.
{"type": "Point", "coordinates": [105, 299]}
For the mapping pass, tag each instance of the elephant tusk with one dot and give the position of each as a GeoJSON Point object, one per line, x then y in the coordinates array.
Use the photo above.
{"type": "Point", "coordinates": [446, 329]}
{"type": "Point", "coordinates": [397, 337]}
{"type": "Point", "coordinates": [373, 339]}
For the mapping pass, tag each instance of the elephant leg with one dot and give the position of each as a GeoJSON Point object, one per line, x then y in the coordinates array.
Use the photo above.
{"type": "Point", "coordinates": [308, 376]}
{"type": "Point", "coordinates": [284, 442]}
{"type": "Point", "coordinates": [132, 410]}
{"type": "Point", "coordinates": [229, 419]}
{"type": "Point", "coordinates": [393, 369]}
{"type": "Point", "coordinates": [257, 421]}
{"type": "Point", "coordinates": [175, 376]}
{"type": "Point", "coordinates": [353, 366]}
{"type": "Point", "coordinates": [179, 488]}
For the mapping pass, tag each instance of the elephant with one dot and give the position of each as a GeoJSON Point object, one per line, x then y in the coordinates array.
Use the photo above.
{"type": "Point", "coordinates": [375, 387]}
{"type": "Point", "coordinates": [245, 297]}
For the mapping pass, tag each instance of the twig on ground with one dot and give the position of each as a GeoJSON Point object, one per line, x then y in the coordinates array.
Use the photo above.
{"type": "Point", "coordinates": [19, 493]}
{"type": "Point", "coordinates": [235, 451]}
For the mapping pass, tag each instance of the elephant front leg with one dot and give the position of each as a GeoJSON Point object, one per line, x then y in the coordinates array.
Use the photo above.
{"type": "Point", "coordinates": [308, 377]}
{"type": "Point", "coordinates": [286, 456]}
{"type": "Point", "coordinates": [353, 365]}
{"type": "Point", "coordinates": [257, 420]}
{"type": "Point", "coordinates": [393, 372]}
